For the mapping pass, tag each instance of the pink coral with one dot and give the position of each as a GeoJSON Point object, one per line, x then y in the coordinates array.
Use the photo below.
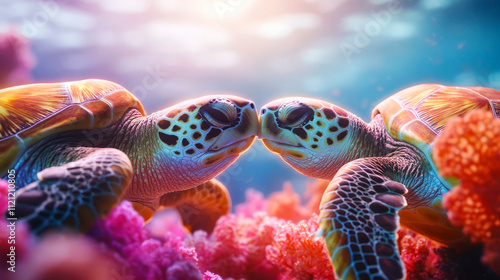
{"type": "Point", "coordinates": [263, 247]}
{"type": "Point", "coordinates": [3, 196]}
{"type": "Point", "coordinates": [62, 256]}
{"type": "Point", "coordinates": [140, 254]}
{"type": "Point", "coordinates": [255, 202]}
{"type": "Point", "coordinates": [298, 253]}
{"type": "Point", "coordinates": [122, 228]}
{"type": "Point", "coordinates": [237, 247]}
{"type": "Point", "coordinates": [16, 59]}
{"type": "Point", "coordinates": [167, 221]}
{"type": "Point", "coordinates": [211, 276]}
{"type": "Point", "coordinates": [469, 150]}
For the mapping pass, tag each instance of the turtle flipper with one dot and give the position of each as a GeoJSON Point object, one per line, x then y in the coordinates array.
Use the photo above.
{"type": "Point", "coordinates": [200, 207]}
{"type": "Point", "coordinates": [359, 220]}
{"type": "Point", "coordinates": [75, 194]}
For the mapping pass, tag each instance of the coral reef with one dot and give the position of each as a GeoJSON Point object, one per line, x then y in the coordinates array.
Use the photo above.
{"type": "Point", "coordinates": [64, 256]}
{"type": "Point", "coordinates": [287, 203]}
{"type": "Point", "coordinates": [16, 59]}
{"type": "Point", "coordinates": [152, 258]}
{"type": "Point", "coordinates": [469, 150]}
{"type": "Point", "coordinates": [298, 253]}
{"type": "Point", "coordinates": [249, 244]}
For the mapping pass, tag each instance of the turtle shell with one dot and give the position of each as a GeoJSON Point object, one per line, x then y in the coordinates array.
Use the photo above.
{"type": "Point", "coordinates": [30, 113]}
{"type": "Point", "coordinates": [418, 114]}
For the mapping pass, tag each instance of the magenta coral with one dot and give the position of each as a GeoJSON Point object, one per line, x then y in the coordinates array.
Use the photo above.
{"type": "Point", "coordinates": [122, 228]}
{"type": "Point", "coordinates": [140, 254]}
{"type": "Point", "coordinates": [3, 196]}
{"type": "Point", "coordinates": [16, 59]}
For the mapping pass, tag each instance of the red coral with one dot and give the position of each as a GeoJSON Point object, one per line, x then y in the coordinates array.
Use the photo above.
{"type": "Point", "coordinates": [414, 254]}
{"type": "Point", "coordinates": [298, 253]}
{"type": "Point", "coordinates": [469, 150]}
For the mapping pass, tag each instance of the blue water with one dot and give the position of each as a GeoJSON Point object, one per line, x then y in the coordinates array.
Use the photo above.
{"type": "Point", "coordinates": [351, 52]}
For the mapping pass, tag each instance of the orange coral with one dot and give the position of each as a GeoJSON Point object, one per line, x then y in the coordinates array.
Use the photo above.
{"type": "Point", "coordinates": [469, 149]}
{"type": "Point", "coordinates": [287, 203]}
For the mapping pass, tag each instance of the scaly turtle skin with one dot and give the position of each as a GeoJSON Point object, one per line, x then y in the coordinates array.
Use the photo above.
{"type": "Point", "coordinates": [377, 170]}
{"type": "Point", "coordinates": [76, 147]}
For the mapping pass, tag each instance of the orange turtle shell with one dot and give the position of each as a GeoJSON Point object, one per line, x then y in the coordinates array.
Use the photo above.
{"type": "Point", "coordinates": [31, 113]}
{"type": "Point", "coordinates": [418, 114]}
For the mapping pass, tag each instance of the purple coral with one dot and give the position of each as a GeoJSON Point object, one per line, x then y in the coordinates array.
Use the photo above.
{"type": "Point", "coordinates": [16, 59]}
{"type": "Point", "coordinates": [139, 253]}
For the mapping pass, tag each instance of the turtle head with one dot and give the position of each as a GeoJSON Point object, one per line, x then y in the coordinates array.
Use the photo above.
{"type": "Point", "coordinates": [199, 138]}
{"type": "Point", "coordinates": [311, 135]}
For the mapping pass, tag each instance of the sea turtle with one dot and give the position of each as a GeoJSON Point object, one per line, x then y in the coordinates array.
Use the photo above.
{"type": "Point", "coordinates": [377, 170]}
{"type": "Point", "coordinates": [74, 148]}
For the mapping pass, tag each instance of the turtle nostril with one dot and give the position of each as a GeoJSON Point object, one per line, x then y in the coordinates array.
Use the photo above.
{"type": "Point", "coordinates": [252, 105]}
{"type": "Point", "coordinates": [295, 114]}
{"type": "Point", "coordinates": [263, 111]}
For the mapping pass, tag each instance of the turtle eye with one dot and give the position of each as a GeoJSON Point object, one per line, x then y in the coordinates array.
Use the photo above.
{"type": "Point", "coordinates": [295, 114]}
{"type": "Point", "coordinates": [219, 113]}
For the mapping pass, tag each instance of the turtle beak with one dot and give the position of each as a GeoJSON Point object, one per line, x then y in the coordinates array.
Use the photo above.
{"type": "Point", "coordinates": [269, 130]}
{"type": "Point", "coordinates": [248, 126]}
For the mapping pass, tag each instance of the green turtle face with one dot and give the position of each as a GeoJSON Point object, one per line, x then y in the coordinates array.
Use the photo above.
{"type": "Point", "coordinates": [308, 134]}
{"type": "Point", "coordinates": [201, 137]}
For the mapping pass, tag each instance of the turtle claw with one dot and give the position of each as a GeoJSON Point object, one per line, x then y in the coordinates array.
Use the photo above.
{"type": "Point", "coordinates": [55, 172]}
{"type": "Point", "coordinates": [75, 194]}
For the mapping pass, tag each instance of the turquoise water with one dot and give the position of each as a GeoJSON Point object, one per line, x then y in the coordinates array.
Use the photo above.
{"type": "Point", "coordinates": [354, 53]}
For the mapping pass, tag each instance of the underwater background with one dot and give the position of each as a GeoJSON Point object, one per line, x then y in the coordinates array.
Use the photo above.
{"type": "Point", "coordinates": [352, 53]}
